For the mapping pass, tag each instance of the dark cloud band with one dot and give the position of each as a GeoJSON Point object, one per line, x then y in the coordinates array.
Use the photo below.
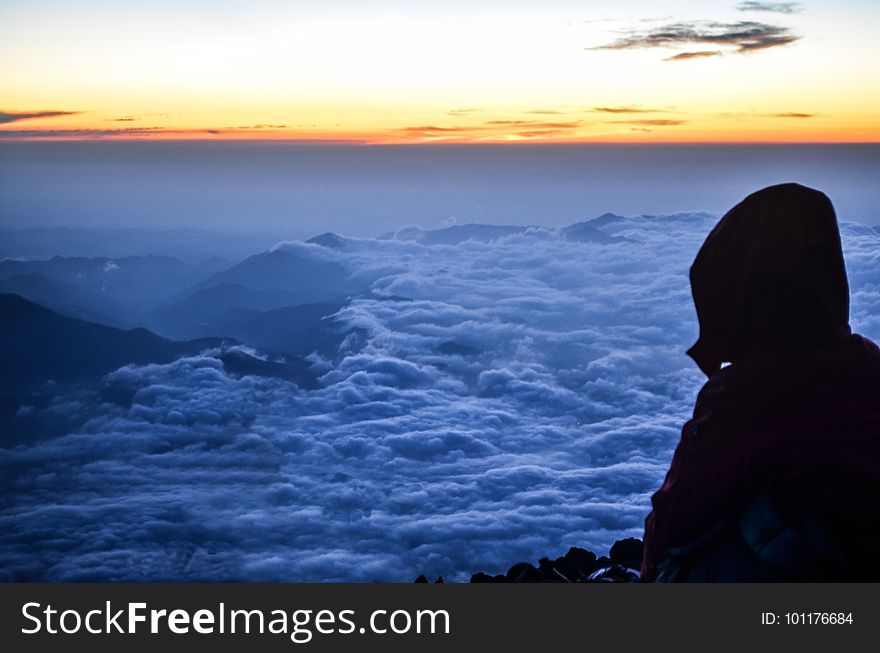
{"type": "Point", "coordinates": [15, 116]}
{"type": "Point", "coordinates": [741, 37]}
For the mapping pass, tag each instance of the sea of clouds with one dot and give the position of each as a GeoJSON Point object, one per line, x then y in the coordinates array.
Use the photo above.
{"type": "Point", "coordinates": [548, 423]}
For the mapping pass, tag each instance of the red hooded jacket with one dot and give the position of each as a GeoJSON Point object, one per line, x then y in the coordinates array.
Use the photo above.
{"type": "Point", "coordinates": [798, 408]}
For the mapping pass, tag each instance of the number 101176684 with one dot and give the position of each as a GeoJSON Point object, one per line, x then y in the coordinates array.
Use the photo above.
{"type": "Point", "coordinates": [807, 618]}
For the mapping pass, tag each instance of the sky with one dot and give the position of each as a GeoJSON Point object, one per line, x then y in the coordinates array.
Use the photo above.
{"type": "Point", "coordinates": [388, 71]}
{"type": "Point", "coordinates": [296, 191]}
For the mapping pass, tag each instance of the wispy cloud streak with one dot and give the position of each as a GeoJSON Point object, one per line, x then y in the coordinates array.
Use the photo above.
{"type": "Point", "coordinates": [771, 7]}
{"type": "Point", "coordinates": [625, 110]}
{"type": "Point", "coordinates": [698, 54]}
{"type": "Point", "coordinates": [792, 114]}
{"type": "Point", "coordinates": [15, 116]}
{"type": "Point", "coordinates": [659, 122]}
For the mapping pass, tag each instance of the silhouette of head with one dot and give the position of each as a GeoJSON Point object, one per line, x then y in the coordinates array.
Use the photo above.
{"type": "Point", "coordinates": [769, 277]}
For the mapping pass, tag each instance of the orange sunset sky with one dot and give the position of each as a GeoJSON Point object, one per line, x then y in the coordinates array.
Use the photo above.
{"type": "Point", "coordinates": [454, 71]}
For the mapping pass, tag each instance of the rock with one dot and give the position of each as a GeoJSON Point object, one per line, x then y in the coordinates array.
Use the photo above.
{"type": "Point", "coordinates": [582, 560]}
{"type": "Point", "coordinates": [550, 573]}
{"type": "Point", "coordinates": [578, 565]}
{"type": "Point", "coordinates": [614, 574]}
{"type": "Point", "coordinates": [523, 572]}
{"type": "Point", "coordinates": [572, 572]}
{"type": "Point", "coordinates": [627, 553]}
{"type": "Point", "coordinates": [480, 577]}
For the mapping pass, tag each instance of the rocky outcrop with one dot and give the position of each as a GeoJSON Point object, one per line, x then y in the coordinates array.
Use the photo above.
{"type": "Point", "coordinates": [576, 566]}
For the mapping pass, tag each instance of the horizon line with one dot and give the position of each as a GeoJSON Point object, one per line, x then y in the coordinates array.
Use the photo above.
{"type": "Point", "coordinates": [421, 143]}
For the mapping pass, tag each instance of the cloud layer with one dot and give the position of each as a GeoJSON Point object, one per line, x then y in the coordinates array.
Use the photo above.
{"type": "Point", "coordinates": [495, 402]}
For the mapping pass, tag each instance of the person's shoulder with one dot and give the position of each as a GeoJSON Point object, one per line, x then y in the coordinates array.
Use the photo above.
{"type": "Point", "coordinates": [865, 344]}
{"type": "Point", "coordinates": [779, 382]}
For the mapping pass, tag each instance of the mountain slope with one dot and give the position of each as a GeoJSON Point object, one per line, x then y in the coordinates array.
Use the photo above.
{"type": "Point", "coordinates": [587, 231]}
{"type": "Point", "coordinates": [284, 268]}
{"type": "Point", "coordinates": [297, 330]}
{"type": "Point", "coordinates": [283, 277]}
{"type": "Point", "coordinates": [45, 356]}
{"type": "Point", "coordinates": [38, 345]}
{"type": "Point", "coordinates": [121, 288]}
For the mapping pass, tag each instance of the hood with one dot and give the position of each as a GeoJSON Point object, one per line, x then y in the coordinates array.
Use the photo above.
{"type": "Point", "coordinates": [770, 276]}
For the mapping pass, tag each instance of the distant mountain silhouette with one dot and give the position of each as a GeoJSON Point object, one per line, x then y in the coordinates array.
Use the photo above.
{"type": "Point", "coordinates": [329, 240]}
{"type": "Point", "coordinates": [202, 311]}
{"type": "Point", "coordinates": [38, 345]}
{"type": "Point", "coordinates": [65, 298]}
{"type": "Point", "coordinates": [461, 233]}
{"type": "Point", "coordinates": [112, 290]}
{"type": "Point", "coordinates": [604, 219]}
{"type": "Point", "coordinates": [587, 231]}
{"type": "Point", "coordinates": [229, 302]}
{"type": "Point", "coordinates": [276, 300]}
{"type": "Point", "coordinates": [44, 354]}
{"type": "Point", "coordinates": [285, 269]}
{"type": "Point", "coordinates": [191, 245]}
{"type": "Point", "coordinates": [297, 330]}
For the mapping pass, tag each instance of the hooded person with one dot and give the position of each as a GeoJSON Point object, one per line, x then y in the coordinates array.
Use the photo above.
{"type": "Point", "coordinates": [777, 475]}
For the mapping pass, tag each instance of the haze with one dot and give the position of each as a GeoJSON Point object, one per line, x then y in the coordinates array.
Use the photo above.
{"type": "Point", "coordinates": [296, 191]}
